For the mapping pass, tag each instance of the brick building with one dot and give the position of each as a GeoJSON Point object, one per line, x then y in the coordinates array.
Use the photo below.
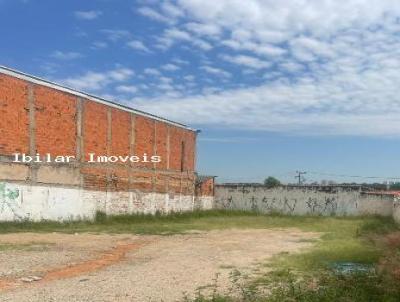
{"type": "Point", "coordinates": [45, 119]}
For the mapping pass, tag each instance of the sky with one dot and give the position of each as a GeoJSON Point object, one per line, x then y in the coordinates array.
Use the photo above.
{"type": "Point", "coordinates": [275, 86]}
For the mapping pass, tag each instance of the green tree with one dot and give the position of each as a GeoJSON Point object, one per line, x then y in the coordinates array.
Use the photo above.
{"type": "Point", "coordinates": [272, 182]}
{"type": "Point", "coordinates": [395, 186]}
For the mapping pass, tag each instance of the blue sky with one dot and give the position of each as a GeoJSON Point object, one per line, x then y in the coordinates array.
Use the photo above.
{"type": "Point", "coordinates": [275, 86]}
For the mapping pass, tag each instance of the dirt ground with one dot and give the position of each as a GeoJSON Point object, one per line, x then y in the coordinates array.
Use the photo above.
{"type": "Point", "coordinates": [92, 267]}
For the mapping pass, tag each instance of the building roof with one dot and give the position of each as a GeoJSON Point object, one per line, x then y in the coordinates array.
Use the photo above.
{"type": "Point", "coordinates": [40, 81]}
{"type": "Point", "coordinates": [391, 193]}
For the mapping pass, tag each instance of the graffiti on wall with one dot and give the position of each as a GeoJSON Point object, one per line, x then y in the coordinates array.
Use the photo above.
{"type": "Point", "coordinates": [326, 205]}
{"type": "Point", "coordinates": [306, 200]}
{"type": "Point", "coordinates": [396, 202]}
{"type": "Point", "coordinates": [289, 200]}
{"type": "Point", "coordinates": [284, 204]}
{"type": "Point", "coordinates": [9, 200]}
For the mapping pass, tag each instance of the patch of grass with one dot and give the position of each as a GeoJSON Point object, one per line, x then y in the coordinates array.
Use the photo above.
{"type": "Point", "coordinates": [295, 277]}
{"type": "Point", "coordinates": [227, 266]}
{"type": "Point", "coordinates": [198, 220]}
{"type": "Point", "coordinates": [327, 251]}
{"type": "Point", "coordinates": [136, 223]}
{"type": "Point", "coordinates": [330, 287]}
{"type": "Point", "coordinates": [378, 225]}
{"type": "Point", "coordinates": [344, 240]}
{"type": "Point", "coordinates": [284, 286]}
{"type": "Point", "coordinates": [308, 276]}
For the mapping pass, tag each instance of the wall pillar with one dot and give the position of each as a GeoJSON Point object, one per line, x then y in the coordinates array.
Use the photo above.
{"type": "Point", "coordinates": [32, 133]}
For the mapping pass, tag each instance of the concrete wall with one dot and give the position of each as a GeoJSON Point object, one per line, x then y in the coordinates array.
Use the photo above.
{"type": "Point", "coordinates": [43, 202]}
{"type": "Point", "coordinates": [303, 200]}
{"type": "Point", "coordinates": [396, 208]}
{"type": "Point", "coordinates": [40, 117]}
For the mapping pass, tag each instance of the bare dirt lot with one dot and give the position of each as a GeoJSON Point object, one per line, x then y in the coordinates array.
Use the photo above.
{"type": "Point", "coordinates": [92, 267]}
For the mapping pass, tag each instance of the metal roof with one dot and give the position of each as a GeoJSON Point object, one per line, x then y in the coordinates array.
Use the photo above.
{"type": "Point", "coordinates": [40, 81]}
{"type": "Point", "coordinates": [391, 193]}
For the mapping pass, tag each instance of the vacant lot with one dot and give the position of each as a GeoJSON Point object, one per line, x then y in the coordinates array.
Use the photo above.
{"type": "Point", "coordinates": [216, 256]}
{"type": "Point", "coordinates": [150, 267]}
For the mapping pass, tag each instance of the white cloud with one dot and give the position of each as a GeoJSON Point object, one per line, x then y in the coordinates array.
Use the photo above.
{"type": "Point", "coordinates": [120, 74]}
{"type": "Point", "coordinates": [307, 107]}
{"type": "Point", "coordinates": [90, 81]}
{"type": "Point", "coordinates": [94, 81]}
{"type": "Point", "coordinates": [325, 67]}
{"type": "Point", "coordinates": [166, 80]}
{"type": "Point", "coordinates": [261, 49]}
{"type": "Point", "coordinates": [99, 45]}
{"type": "Point", "coordinates": [135, 44]}
{"type": "Point", "coordinates": [189, 78]}
{"type": "Point", "coordinates": [216, 71]}
{"type": "Point", "coordinates": [247, 61]}
{"type": "Point", "coordinates": [202, 44]}
{"type": "Point", "coordinates": [171, 10]}
{"type": "Point", "coordinates": [267, 50]}
{"type": "Point", "coordinates": [152, 72]}
{"type": "Point", "coordinates": [174, 35]}
{"type": "Point", "coordinates": [314, 16]}
{"type": "Point", "coordinates": [153, 14]}
{"type": "Point", "coordinates": [180, 61]}
{"type": "Point", "coordinates": [127, 89]}
{"type": "Point", "coordinates": [171, 36]}
{"type": "Point", "coordinates": [116, 34]}
{"type": "Point", "coordinates": [204, 29]}
{"type": "Point", "coordinates": [345, 58]}
{"type": "Point", "coordinates": [170, 67]}
{"type": "Point", "coordinates": [291, 67]}
{"type": "Point", "coordinates": [68, 55]}
{"type": "Point", "coordinates": [88, 15]}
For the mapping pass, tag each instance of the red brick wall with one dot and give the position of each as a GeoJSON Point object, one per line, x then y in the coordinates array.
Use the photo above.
{"type": "Point", "coordinates": [174, 183]}
{"type": "Point", "coordinates": [120, 132]}
{"type": "Point", "coordinates": [14, 113]}
{"type": "Point", "coordinates": [55, 118]}
{"type": "Point", "coordinates": [144, 142]}
{"type": "Point", "coordinates": [161, 183]}
{"type": "Point", "coordinates": [175, 141]}
{"type": "Point", "coordinates": [188, 185]}
{"type": "Point", "coordinates": [179, 138]}
{"type": "Point", "coordinates": [190, 150]}
{"type": "Point", "coordinates": [105, 131]}
{"type": "Point", "coordinates": [94, 178]}
{"type": "Point", "coordinates": [119, 179]}
{"type": "Point", "coordinates": [95, 125]}
{"type": "Point", "coordinates": [205, 187]}
{"type": "Point", "coordinates": [161, 144]}
{"type": "Point", "coordinates": [142, 181]}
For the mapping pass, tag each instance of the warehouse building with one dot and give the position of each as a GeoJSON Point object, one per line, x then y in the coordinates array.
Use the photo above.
{"type": "Point", "coordinates": [65, 154]}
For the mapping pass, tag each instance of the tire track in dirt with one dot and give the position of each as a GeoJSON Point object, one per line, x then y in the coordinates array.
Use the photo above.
{"type": "Point", "coordinates": [110, 257]}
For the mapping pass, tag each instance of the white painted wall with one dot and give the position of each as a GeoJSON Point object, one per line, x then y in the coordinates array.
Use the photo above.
{"type": "Point", "coordinates": [205, 202]}
{"type": "Point", "coordinates": [18, 202]}
{"type": "Point", "coordinates": [396, 209]}
{"type": "Point", "coordinates": [302, 201]}
{"type": "Point", "coordinates": [32, 202]}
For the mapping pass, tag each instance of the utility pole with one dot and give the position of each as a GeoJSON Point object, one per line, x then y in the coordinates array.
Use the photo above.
{"type": "Point", "coordinates": [299, 176]}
